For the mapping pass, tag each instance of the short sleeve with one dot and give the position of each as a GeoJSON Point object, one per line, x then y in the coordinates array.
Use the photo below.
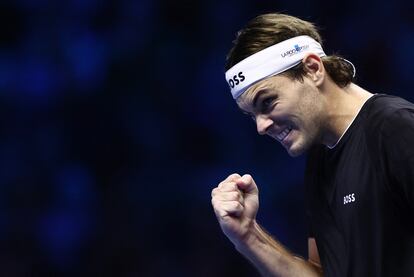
{"type": "Point", "coordinates": [397, 147]}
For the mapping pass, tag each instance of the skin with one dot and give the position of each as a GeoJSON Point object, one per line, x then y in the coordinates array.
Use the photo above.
{"type": "Point", "coordinates": [281, 104]}
{"type": "Point", "coordinates": [316, 111]}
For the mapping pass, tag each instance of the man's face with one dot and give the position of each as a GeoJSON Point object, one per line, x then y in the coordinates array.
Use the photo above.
{"type": "Point", "coordinates": [290, 111]}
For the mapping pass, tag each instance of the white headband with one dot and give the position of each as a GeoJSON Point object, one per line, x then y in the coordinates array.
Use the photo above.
{"type": "Point", "coordinates": [269, 62]}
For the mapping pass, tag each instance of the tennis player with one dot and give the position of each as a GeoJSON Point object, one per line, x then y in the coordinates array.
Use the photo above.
{"type": "Point", "coordinates": [360, 156]}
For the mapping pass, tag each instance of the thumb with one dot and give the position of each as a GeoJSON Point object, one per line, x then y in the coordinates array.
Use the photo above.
{"type": "Point", "coordinates": [247, 184]}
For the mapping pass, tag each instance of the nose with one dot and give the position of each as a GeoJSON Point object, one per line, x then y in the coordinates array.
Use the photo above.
{"type": "Point", "coordinates": [263, 123]}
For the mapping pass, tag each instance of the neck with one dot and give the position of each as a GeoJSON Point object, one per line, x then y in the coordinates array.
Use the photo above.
{"type": "Point", "coordinates": [343, 105]}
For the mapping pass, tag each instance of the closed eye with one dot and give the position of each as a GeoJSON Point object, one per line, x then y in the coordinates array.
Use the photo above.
{"type": "Point", "coordinates": [266, 104]}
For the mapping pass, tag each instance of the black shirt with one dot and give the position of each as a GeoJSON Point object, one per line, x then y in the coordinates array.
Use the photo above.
{"type": "Point", "coordinates": [360, 194]}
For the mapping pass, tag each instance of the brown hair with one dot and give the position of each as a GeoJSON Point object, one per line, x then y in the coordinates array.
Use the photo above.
{"type": "Point", "coordinates": [269, 29]}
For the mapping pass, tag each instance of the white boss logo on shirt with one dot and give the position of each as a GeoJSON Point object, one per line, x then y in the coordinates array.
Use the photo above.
{"type": "Point", "coordinates": [349, 198]}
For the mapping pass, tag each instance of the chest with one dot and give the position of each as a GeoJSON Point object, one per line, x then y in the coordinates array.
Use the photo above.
{"type": "Point", "coordinates": [350, 190]}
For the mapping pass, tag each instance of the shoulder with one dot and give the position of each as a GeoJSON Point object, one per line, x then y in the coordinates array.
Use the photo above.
{"type": "Point", "coordinates": [393, 112]}
{"type": "Point", "coordinates": [390, 127]}
{"type": "Point", "coordinates": [384, 112]}
{"type": "Point", "coordinates": [384, 104]}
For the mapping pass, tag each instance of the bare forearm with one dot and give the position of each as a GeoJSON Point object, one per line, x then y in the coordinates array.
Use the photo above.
{"type": "Point", "coordinates": [272, 259]}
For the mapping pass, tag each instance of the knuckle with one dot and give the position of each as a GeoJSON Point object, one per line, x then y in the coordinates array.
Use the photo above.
{"type": "Point", "coordinates": [232, 186]}
{"type": "Point", "coordinates": [228, 186]}
{"type": "Point", "coordinates": [215, 202]}
{"type": "Point", "coordinates": [223, 183]}
{"type": "Point", "coordinates": [218, 208]}
{"type": "Point", "coordinates": [214, 192]}
{"type": "Point", "coordinates": [234, 175]}
{"type": "Point", "coordinates": [234, 195]}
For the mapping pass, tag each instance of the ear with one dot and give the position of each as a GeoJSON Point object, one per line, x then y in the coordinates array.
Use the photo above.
{"type": "Point", "coordinates": [313, 66]}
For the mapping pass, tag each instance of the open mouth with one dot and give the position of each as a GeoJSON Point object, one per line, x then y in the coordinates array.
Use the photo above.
{"type": "Point", "coordinates": [282, 135]}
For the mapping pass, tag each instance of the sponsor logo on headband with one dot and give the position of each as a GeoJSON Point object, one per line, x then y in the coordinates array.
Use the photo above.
{"type": "Point", "coordinates": [236, 79]}
{"type": "Point", "coordinates": [294, 51]}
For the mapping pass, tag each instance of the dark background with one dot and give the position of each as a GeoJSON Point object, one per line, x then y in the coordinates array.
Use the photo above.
{"type": "Point", "coordinates": [116, 123]}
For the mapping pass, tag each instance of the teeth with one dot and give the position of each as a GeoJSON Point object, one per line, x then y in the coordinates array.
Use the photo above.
{"type": "Point", "coordinates": [283, 134]}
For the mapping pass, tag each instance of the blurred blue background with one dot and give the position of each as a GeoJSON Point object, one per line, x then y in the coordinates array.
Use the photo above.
{"type": "Point", "coordinates": [116, 123]}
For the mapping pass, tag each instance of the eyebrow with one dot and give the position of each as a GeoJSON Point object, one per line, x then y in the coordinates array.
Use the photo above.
{"type": "Point", "coordinates": [255, 99]}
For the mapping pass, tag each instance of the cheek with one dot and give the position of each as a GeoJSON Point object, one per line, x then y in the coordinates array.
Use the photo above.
{"type": "Point", "coordinates": [310, 108]}
{"type": "Point", "coordinates": [305, 122]}
{"type": "Point", "coordinates": [285, 115]}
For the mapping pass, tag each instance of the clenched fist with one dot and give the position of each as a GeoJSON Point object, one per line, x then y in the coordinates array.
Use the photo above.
{"type": "Point", "coordinates": [236, 201]}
